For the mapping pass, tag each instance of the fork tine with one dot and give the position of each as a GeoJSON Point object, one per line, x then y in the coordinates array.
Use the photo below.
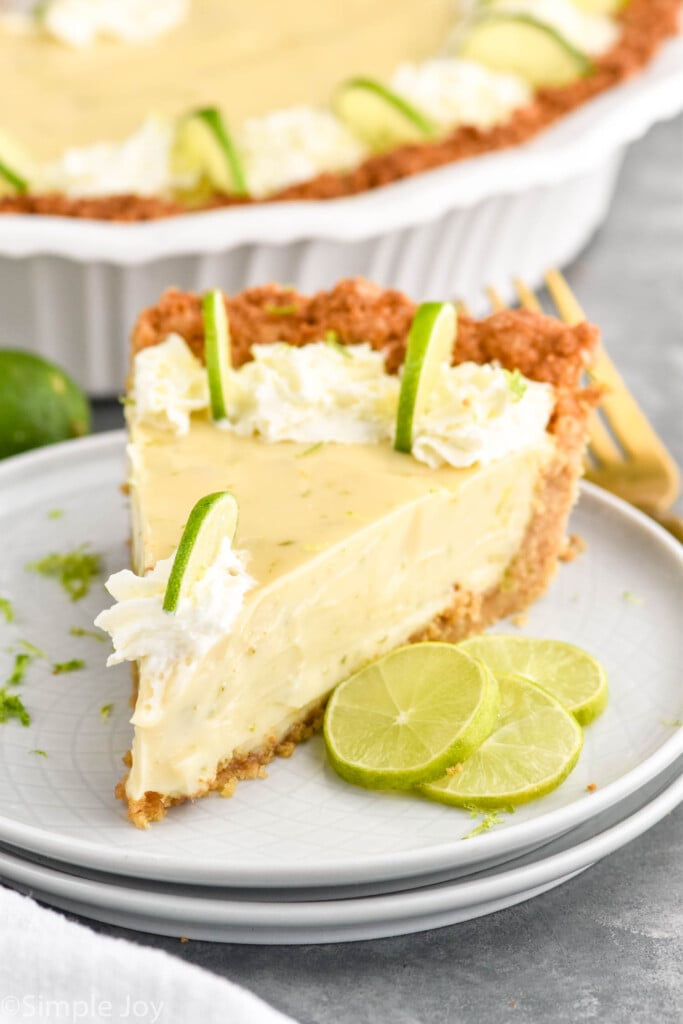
{"type": "Point", "coordinates": [526, 297]}
{"type": "Point", "coordinates": [563, 297]}
{"type": "Point", "coordinates": [495, 299]}
{"type": "Point", "coordinates": [629, 424]}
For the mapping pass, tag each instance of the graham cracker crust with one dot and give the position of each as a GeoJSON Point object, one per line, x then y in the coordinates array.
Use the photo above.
{"type": "Point", "coordinates": [542, 348]}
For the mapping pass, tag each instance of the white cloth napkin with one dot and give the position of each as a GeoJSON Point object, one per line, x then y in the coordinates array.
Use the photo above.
{"type": "Point", "coordinates": [54, 970]}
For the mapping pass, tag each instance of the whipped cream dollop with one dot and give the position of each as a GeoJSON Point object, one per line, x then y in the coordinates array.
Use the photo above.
{"type": "Point", "coordinates": [590, 33]}
{"type": "Point", "coordinates": [79, 23]}
{"type": "Point", "coordinates": [169, 384]}
{"type": "Point", "coordinates": [326, 392]}
{"type": "Point", "coordinates": [169, 643]}
{"type": "Point", "coordinates": [453, 92]}
{"type": "Point", "coordinates": [294, 145]}
{"type": "Point", "coordinates": [318, 392]}
{"type": "Point", "coordinates": [480, 413]}
{"type": "Point", "coordinates": [140, 164]}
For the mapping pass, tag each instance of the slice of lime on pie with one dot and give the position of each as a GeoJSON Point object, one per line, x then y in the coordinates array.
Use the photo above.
{"type": "Point", "coordinates": [344, 548]}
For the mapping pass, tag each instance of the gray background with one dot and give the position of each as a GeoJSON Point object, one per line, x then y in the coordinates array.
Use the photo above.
{"type": "Point", "coordinates": [607, 946]}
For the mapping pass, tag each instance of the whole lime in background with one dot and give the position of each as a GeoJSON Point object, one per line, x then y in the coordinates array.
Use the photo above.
{"type": "Point", "coordinates": [39, 403]}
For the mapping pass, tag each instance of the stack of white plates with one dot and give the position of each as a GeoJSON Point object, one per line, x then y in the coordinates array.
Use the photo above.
{"type": "Point", "coordinates": [303, 857]}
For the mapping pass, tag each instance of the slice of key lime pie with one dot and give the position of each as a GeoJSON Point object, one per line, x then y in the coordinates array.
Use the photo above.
{"type": "Point", "coordinates": [315, 498]}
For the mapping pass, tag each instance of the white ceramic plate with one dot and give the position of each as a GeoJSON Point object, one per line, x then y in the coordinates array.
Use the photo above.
{"type": "Point", "coordinates": [304, 827]}
{"type": "Point", "coordinates": [177, 910]}
{"type": "Point", "coordinates": [574, 146]}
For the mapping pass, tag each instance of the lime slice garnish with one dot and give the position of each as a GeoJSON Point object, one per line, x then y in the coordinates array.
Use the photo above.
{"type": "Point", "coordinates": [212, 519]}
{"type": "Point", "coordinates": [516, 43]}
{"type": "Point", "coordinates": [430, 344]}
{"type": "Point", "coordinates": [380, 117]}
{"type": "Point", "coordinates": [14, 167]}
{"type": "Point", "coordinates": [533, 748]}
{"type": "Point", "coordinates": [204, 146]}
{"type": "Point", "coordinates": [405, 718]}
{"type": "Point", "coordinates": [217, 352]}
{"type": "Point", "coordinates": [576, 678]}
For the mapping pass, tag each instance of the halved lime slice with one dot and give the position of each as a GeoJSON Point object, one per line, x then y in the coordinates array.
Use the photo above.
{"type": "Point", "coordinates": [533, 748]}
{"type": "Point", "coordinates": [405, 718]}
{"type": "Point", "coordinates": [380, 117]}
{"type": "Point", "coordinates": [203, 146]}
{"type": "Point", "coordinates": [517, 43]}
{"type": "Point", "coordinates": [217, 352]}
{"type": "Point", "coordinates": [212, 519]}
{"type": "Point", "coordinates": [430, 344]}
{"type": "Point", "coordinates": [575, 677]}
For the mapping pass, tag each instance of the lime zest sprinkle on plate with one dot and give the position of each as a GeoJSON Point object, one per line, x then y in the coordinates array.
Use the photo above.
{"type": "Point", "coordinates": [12, 706]}
{"type": "Point", "coordinates": [40, 753]}
{"type": "Point", "coordinates": [672, 723]}
{"type": "Point", "coordinates": [488, 822]}
{"type": "Point", "coordinates": [212, 520]}
{"type": "Point", "coordinates": [75, 570]}
{"type": "Point", "coordinates": [31, 649]}
{"type": "Point", "coordinates": [632, 598]}
{"type": "Point", "coordinates": [21, 663]}
{"type": "Point", "coordinates": [6, 609]}
{"type": "Point", "coordinates": [55, 513]}
{"type": "Point", "coordinates": [74, 665]}
{"type": "Point", "coordinates": [92, 633]}
{"type": "Point", "coordinates": [105, 711]}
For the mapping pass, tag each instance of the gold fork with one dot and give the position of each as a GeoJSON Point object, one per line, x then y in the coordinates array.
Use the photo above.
{"type": "Point", "coordinates": [625, 455]}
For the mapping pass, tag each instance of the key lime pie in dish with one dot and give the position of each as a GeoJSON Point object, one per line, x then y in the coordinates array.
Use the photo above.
{"type": "Point", "coordinates": [344, 547]}
{"type": "Point", "coordinates": [265, 101]}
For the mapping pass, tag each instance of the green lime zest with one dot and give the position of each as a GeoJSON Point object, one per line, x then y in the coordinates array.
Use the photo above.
{"type": "Point", "coordinates": [281, 310]}
{"type": "Point", "coordinates": [39, 753]}
{"type": "Point", "coordinates": [6, 609]}
{"type": "Point", "coordinates": [21, 663]}
{"type": "Point", "coordinates": [12, 706]}
{"type": "Point", "coordinates": [75, 570]}
{"type": "Point", "coordinates": [105, 711]}
{"type": "Point", "coordinates": [485, 825]}
{"type": "Point", "coordinates": [34, 651]}
{"type": "Point", "coordinates": [92, 633]}
{"type": "Point", "coordinates": [61, 667]}
{"type": "Point", "coordinates": [517, 384]}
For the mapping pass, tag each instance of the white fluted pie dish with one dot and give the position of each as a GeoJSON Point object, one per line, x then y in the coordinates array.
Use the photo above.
{"type": "Point", "coordinates": [71, 289]}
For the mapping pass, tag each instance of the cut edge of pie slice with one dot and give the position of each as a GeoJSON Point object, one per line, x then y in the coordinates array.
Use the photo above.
{"type": "Point", "coordinates": [503, 526]}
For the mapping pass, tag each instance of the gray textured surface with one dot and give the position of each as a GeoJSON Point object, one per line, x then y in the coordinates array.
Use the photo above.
{"type": "Point", "coordinates": [607, 946]}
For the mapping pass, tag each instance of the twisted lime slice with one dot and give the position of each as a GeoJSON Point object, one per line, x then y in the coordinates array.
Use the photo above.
{"type": "Point", "coordinates": [533, 748]}
{"type": "Point", "coordinates": [405, 718]}
{"type": "Point", "coordinates": [217, 352]}
{"type": "Point", "coordinates": [572, 675]}
{"type": "Point", "coordinates": [204, 146]}
{"type": "Point", "coordinates": [380, 117]}
{"type": "Point", "coordinates": [430, 344]}
{"type": "Point", "coordinates": [517, 43]}
{"type": "Point", "coordinates": [212, 519]}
